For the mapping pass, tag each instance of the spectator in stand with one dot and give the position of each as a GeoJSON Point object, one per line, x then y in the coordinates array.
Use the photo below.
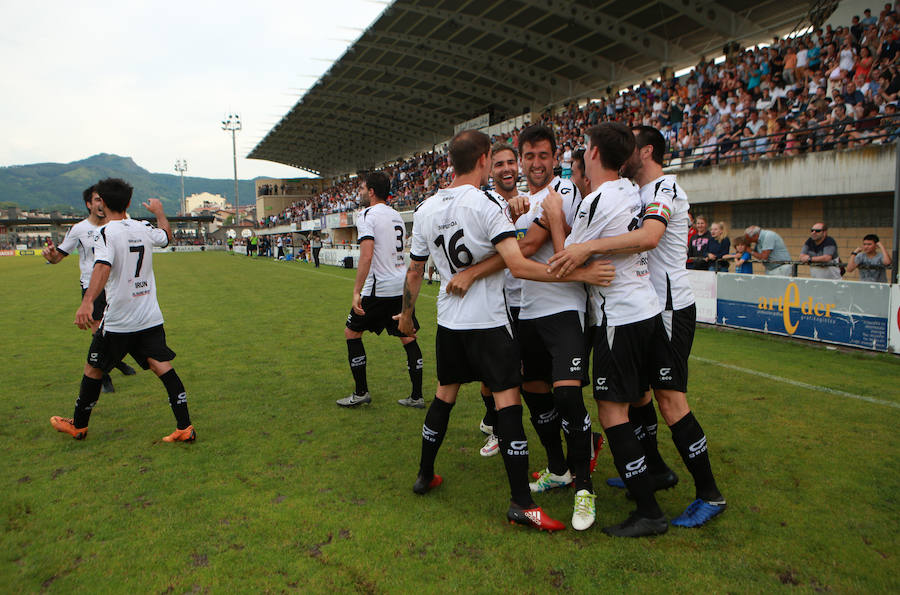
{"type": "Point", "coordinates": [718, 247]}
{"type": "Point", "coordinates": [741, 256]}
{"type": "Point", "coordinates": [871, 259]}
{"type": "Point", "coordinates": [770, 250]}
{"type": "Point", "coordinates": [821, 253]}
{"type": "Point", "coordinates": [698, 248]}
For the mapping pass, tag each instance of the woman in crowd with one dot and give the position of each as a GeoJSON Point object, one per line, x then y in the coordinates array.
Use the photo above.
{"type": "Point", "coordinates": [718, 247]}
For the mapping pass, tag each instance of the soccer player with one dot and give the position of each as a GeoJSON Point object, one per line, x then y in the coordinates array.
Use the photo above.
{"type": "Point", "coordinates": [377, 291]}
{"type": "Point", "coordinates": [628, 319]}
{"type": "Point", "coordinates": [663, 231]}
{"type": "Point", "coordinates": [132, 322]}
{"type": "Point", "coordinates": [551, 333]}
{"type": "Point", "coordinates": [82, 237]}
{"type": "Point", "coordinates": [459, 226]}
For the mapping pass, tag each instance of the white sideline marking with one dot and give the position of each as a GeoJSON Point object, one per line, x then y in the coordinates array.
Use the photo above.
{"type": "Point", "coordinates": [796, 383]}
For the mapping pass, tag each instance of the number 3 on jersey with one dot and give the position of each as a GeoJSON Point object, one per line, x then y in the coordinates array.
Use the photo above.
{"type": "Point", "coordinates": [458, 256]}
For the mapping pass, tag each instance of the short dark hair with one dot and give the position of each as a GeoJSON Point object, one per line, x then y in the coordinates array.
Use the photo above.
{"type": "Point", "coordinates": [497, 147]}
{"type": "Point", "coordinates": [535, 134]}
{"type": "Point", "coordinates": [871, 237]}
{"type": "Point", "coordinates": [466, 148]}
{"type": "Point", "coordinates": [578, 159]}
{"type": "Point", "coordinates": [615, 143]}
{"type": "Point", "coordinates": [648, 135]}
{"type": "Point", "coordinates": [380, 183]}
{"type": "Point", "coordinates": [88, 193]}
{"type": "Point", "coordinates": [115, 193]}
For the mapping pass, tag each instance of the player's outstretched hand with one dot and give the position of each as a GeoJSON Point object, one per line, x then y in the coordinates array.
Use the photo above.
{"type": "Point", "coordinates": [84, 317]}
{"type": "Point", "coordinates": [565, 261]}
{"type": "Point", "coordinates": [460, 283]}
{"type": "Point", "coordinates": [405, 325]}
{"type": "Point", "coordinates": [600, 272]}
{"type": "Point", "coordinates": [154, 206]}
{"type": "Point", "coordinates": [518, 206]}
{"type": "Point", "coordinates": [357, 304]}
{"type": "Point", "coordinates": [50, 253]}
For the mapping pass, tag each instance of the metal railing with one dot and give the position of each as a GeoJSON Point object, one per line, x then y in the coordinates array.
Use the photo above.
{"type": "Point", "coordinates": [740, 149]}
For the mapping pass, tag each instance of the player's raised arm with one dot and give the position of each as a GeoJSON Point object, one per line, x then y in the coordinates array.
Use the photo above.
{"type": "Point", "coordinates": [155, 206]}
{"type": "Point", "coordinates": [51, 254]}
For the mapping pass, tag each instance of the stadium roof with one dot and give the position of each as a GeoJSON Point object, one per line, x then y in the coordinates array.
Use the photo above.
{"type": "Point", "coordinates": [427, 65]}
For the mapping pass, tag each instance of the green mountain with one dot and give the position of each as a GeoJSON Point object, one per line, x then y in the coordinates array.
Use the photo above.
{"type": "Point", "coordinates": [58, 186]}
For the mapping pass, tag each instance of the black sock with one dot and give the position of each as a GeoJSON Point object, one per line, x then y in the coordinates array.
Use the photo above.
{"type": "Point", "coordinates": [646, 417]}
{"type": "Point", "coordinates": [490, 410]}
{"type": "Point", "coordinates": [177, 398]}
{"type": "Point", "coordinates": [514, 448]}
{"type": "Point", "coordinates": [576, 425]}
{"type": "Point", "coordinates": [122, 367]}
{"type": "Point", "coordinates": [433, 431]}
{"type": "Point", "coordinates": [356, 355]}
{"type": "Point", "coordinates": [414, 365]}
{"type": "Point", "coordinates": [87, 398]}
{"type": "Point", "coordinates": [631, 464]}
{"type": "Point", "coordinates": [690, 441]}
{"type": "Point", "coordinates": [545, 420]}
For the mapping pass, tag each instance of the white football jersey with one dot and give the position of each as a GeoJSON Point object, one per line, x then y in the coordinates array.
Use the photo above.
{"type": "Point", "coordinates": [384, 225]}
{"type": "Point", "coordinates": [664, 200]}
{"type": "Point", "coordinates": [459, 227]}
{"type": "Point", "coordinates": [126, 246]}
{"type": "Point", "coordinates": [81, 237]}
{"type": "Point", "coordinates": [611, 210]}
{"type": "Point", "coordinates": [543, 299]}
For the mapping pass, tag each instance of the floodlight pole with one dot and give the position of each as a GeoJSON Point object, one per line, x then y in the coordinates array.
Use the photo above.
{"type": "Point", "coordinates": [181, 167]}
{"type": "Point", "coordinates": [233, 124]}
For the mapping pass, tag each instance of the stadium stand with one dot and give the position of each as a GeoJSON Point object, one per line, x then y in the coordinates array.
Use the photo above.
{"type": "Point", "coordinates": [828, 89]}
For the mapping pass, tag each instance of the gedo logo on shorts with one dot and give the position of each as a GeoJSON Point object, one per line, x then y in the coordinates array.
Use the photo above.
{"type": "Point", "coordinates": [601, 384]}
{"type": "Point", "coordinates": [665, 374]}
{"type": "Point", "coordinates": [576, 365]}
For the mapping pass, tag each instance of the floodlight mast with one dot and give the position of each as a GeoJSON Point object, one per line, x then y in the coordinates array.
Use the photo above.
{"type": "Point", "coordinates": [181, 167]}
{"type": "Point", "coordinates": [233, 124]}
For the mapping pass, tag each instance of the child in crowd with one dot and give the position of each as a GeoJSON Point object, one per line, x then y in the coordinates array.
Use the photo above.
{"type": "Point", "coordinates": [741, 256]}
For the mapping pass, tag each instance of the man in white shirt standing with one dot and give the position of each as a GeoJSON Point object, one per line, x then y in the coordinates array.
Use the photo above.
{"type": "Point", "coordinates": [132, 322]}
{"type": "Point", "coordinates": [459, 226]}
{"type": "Point", "coordinates": [377, 290]}
{"type": "Point", "coordinates": [82, 237]}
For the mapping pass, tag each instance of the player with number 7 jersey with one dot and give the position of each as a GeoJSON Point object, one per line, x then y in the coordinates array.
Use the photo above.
{"type": "Point", "coordinates": [132, 322]}
{"type": "Point", "coordinates": [127, 246]}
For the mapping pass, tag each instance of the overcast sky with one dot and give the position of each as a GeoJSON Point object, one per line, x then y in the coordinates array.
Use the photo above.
{"type": "Point", "coordinates": [154, 80]}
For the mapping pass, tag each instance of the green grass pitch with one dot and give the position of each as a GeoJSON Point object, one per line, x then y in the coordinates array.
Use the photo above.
{"type": "Point", "coordinates": [285, 491]}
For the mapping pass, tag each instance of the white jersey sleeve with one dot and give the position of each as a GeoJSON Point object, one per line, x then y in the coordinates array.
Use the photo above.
{"type": "Point", "coordinates": [127, 247]}
{"type": "Point", "coordinates": [664, 200]}
{"type": "Point", "coordinates": [611, 210]}
{"type": "Point", "coordinates": [385, 228]}
{"type": "Point", "coordinates": [158, 237]}
{"type": "Point", "coordinates": [459, 227]}
{"type": "Point", "coordinates": [543, 299]}
{"type": "Point", "coordinates": [82, 237]}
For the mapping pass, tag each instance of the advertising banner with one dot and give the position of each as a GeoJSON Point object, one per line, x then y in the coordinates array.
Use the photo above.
{"type": "Point", "coordinates": [333, 220]}
{"type": "Point", "coordinates": [310, 225]}
{"type": "Point", "coordinates": [475, 123]}
{"type": "Point", "coordinates": [894, 320]}
{"type": "Point", "coordinates": [704, 285]}
{"type": "Point", "coordinates": [844, 312]}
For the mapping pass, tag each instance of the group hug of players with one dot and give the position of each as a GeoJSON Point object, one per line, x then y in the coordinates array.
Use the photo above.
{"type": "Point", "coordinates": [530, 286]}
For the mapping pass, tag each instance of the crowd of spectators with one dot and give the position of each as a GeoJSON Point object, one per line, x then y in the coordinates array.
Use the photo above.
{"type": "Point", "coordinates": [828, 88]}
